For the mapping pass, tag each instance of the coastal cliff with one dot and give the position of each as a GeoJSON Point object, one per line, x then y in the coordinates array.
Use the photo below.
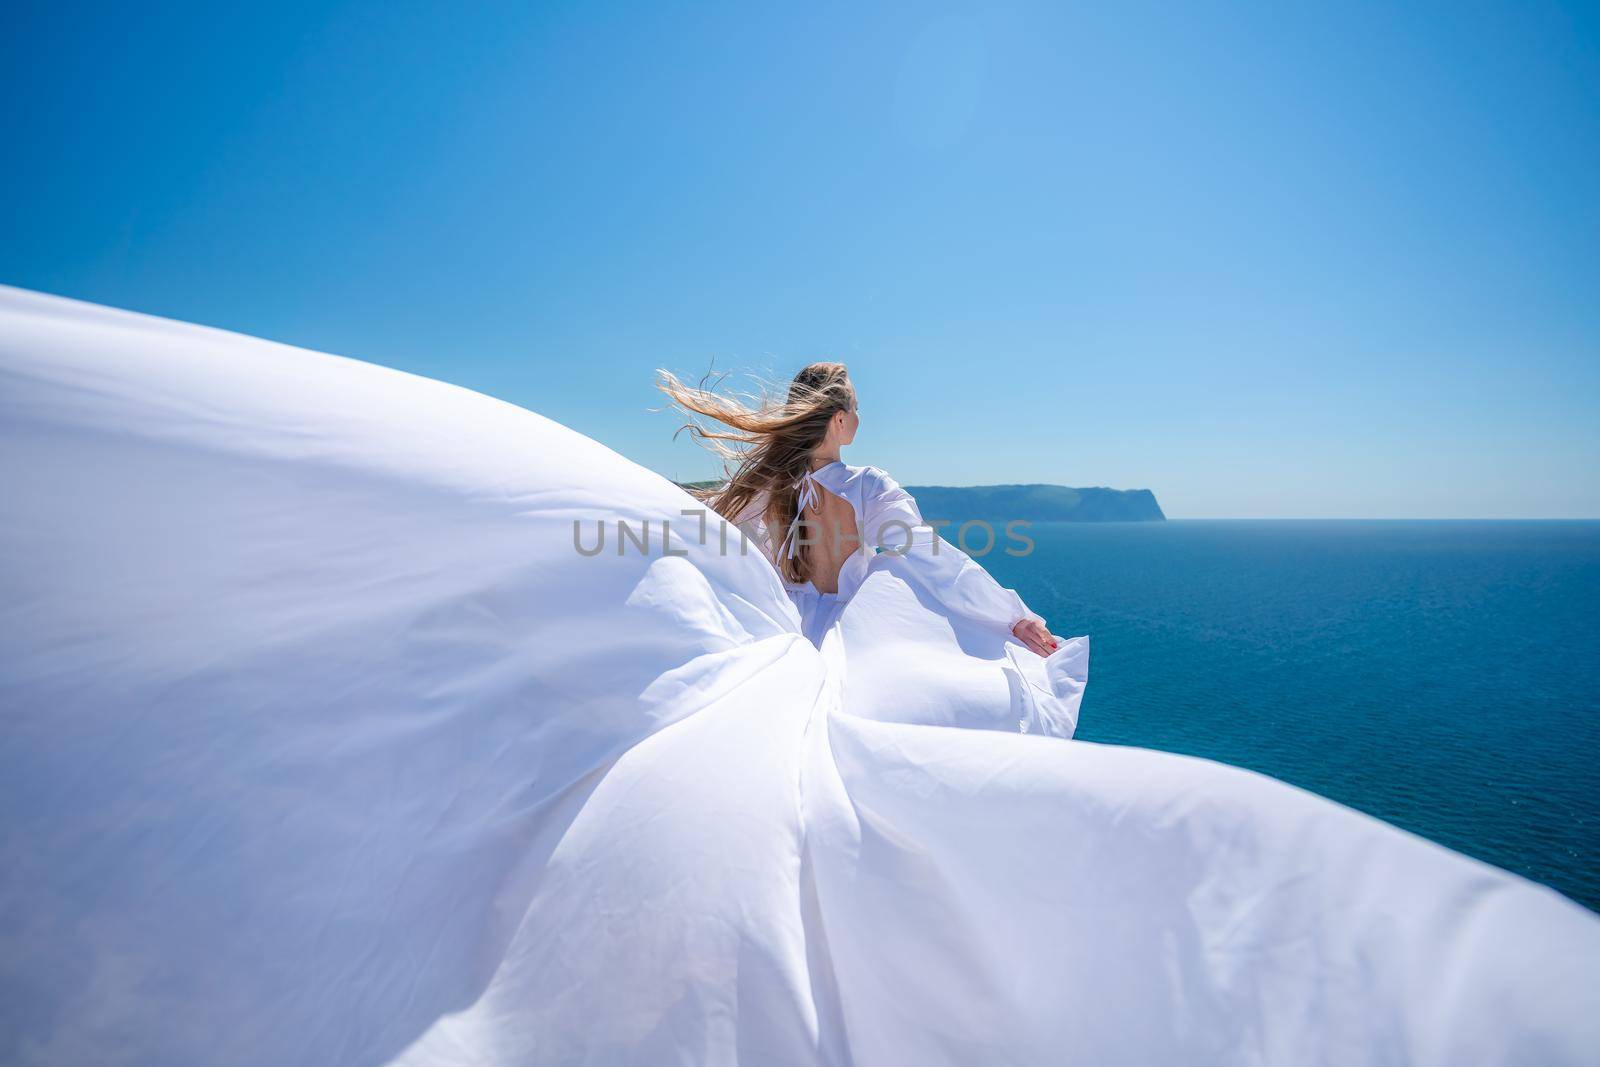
{"type": "Point", "coordinates": [1033, 503]}
{"type": "Point", "coordinates": [1036, 503]}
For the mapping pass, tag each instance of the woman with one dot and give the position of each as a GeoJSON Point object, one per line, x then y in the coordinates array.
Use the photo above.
{"type": "Point", "coordinates": [833, 530]}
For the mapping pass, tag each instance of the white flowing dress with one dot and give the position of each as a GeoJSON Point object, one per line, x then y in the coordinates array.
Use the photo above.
{"type": "Point", "coordinates": [329, 737]}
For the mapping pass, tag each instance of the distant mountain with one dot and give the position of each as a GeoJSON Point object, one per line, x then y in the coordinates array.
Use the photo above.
{"type": "Point", "coordinates": [1034, 503]}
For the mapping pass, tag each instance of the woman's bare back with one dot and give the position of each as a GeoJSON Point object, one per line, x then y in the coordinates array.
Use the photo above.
{"type": "Point", "coordinates": [832, 537]}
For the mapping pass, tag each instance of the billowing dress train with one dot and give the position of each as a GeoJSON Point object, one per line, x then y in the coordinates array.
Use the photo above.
{"type": "Point", "coordinates": [330, 736]}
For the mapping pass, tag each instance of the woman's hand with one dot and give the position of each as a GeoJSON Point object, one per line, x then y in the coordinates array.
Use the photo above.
{"type": "Point", "coordinates": [1033, 633]}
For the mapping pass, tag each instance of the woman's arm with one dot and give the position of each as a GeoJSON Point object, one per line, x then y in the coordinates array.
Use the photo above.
{"type": "Point", "coordinates": [893, 522]}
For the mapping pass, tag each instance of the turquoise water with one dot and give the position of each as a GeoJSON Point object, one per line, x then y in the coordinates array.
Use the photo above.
{"type": "Point", "coordinates": [1444, 676]}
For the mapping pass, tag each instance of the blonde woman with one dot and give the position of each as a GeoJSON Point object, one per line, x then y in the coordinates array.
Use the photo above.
{"type": "Point", "coordinates": [833, 530]}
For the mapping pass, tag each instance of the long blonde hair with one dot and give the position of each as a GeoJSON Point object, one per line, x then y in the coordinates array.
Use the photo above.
{"type": "Point", "coordinates": [765, 444]}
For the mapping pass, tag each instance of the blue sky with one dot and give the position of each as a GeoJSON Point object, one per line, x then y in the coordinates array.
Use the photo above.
{"type": "Point", "coordinates": [1266, 260]}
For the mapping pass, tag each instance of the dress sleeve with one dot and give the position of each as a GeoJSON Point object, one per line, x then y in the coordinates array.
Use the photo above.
{"type": "Point", "coordinates": [893, 526]}
{"type": "Point", "coordinates": [752, 522]}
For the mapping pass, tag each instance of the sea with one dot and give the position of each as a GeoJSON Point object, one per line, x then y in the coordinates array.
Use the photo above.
{"type": "Point", "coordinates": [1441, 675]}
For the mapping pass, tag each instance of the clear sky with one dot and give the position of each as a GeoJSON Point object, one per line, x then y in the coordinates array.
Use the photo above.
{"type": "Point", "coordinates": [1266, 260]}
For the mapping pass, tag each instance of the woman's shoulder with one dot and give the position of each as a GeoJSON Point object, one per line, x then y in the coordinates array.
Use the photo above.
{"type": "Point", "coordinates": [842, 477]}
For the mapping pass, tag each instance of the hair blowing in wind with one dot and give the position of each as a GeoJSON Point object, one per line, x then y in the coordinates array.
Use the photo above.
{"type": "Point", "coordinates": [765, 444]}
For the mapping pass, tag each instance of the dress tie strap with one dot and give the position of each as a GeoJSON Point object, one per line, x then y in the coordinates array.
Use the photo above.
{"type": "Point", "coordinates": [806, 488]}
